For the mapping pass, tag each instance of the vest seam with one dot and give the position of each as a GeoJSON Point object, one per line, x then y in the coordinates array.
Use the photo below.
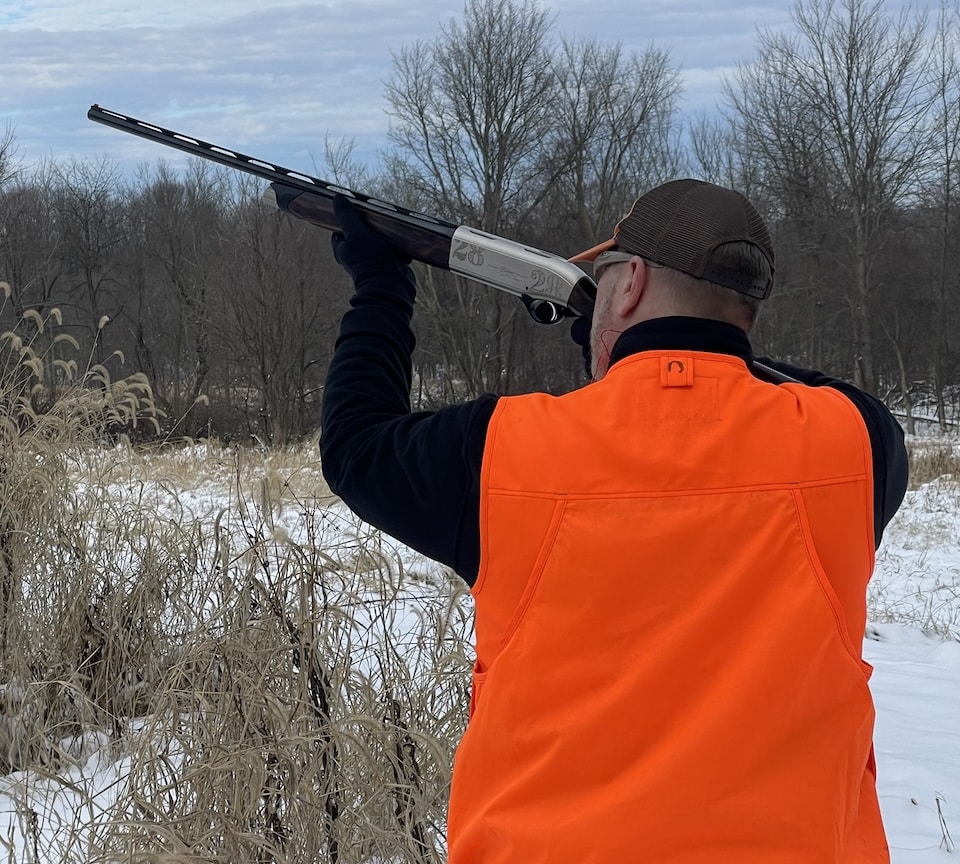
{"type": "Point", "coordinates": [866, 452]}
{"type": "Point", "coordinates": [659, 353]}
{"type": "Point", "coordinates": [823, 581]}
{"type": "Point", "coordinates": [489, 446]}
{"type": "Point", "coordinates": [533, 582]}
{"type": "Point", "coordinates": [676, 493]}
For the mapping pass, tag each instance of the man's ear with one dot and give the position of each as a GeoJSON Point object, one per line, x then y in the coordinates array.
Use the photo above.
{"type": "Point", "coordinates": [630, 289]}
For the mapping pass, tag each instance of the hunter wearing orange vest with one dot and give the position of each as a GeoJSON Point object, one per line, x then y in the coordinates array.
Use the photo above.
{"type": "Point", "coordinates": [669, 564]}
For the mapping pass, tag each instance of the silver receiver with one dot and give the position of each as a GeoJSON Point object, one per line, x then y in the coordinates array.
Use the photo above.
{"type": "Point", "coordinates": [547, 283]}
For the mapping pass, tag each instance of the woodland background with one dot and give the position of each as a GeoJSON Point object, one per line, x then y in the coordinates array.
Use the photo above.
{"type": "Point", "coordinates": [203, 655]}
{"type": "Point", "coordinates": [844, 131]}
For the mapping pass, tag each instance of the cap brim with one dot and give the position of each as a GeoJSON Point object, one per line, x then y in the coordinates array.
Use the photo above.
{"type": "Point", "coordinates": [591, 253]}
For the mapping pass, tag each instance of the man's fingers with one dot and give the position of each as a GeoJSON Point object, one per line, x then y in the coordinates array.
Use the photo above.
{"type": "Point", "coordinates": [580, 332]}
{"type": "Point", "coordinates": [350, 218]}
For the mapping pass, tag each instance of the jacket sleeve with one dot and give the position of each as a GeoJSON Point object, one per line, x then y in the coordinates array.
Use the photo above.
{"type": "Point", "coordinates": [416, 476]}
{"type": "Point", "coordinates": [890, 461]}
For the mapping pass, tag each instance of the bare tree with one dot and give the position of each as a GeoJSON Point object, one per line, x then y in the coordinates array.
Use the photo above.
{"type": "Point", "coordinates": [946, 89]}
{"type": "Point", "coordinates": [278, 280]}
{"type": "Point", "coordinates": [476, 125]}
{"type": "Point", "coordinates": [30, 240]}
{"type": "Point", "coordinates": [90, 213]}
{"type": "Point", "coordinates": [182, 223]}
{"type": "Point", "coordinates": [713, 151]}
{"type": "Point", "coordinates": [835, 116]}
{"type": "Point", "coordinates": [9, 167]}
{"type": "Point", "coordinates": [343, 166]}
{"type": "Point", "coordinates": [619, 116]}
{"type": "Point", "coordinates": [474, 113]}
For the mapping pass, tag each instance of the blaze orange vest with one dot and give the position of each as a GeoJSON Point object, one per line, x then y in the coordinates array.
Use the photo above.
{"type": "Point", "coordinates": [669, 611]}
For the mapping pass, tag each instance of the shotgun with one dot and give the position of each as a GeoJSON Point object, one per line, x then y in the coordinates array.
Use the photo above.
{"type": "Point", "coordinates": [550, 287]}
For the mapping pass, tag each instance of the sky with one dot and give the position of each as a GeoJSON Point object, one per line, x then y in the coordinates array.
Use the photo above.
{"type": "Point", "coordinates": [274, 79]}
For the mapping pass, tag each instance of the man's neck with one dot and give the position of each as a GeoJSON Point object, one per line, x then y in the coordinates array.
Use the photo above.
{"type": "Point", "coordinates": [682, 333]}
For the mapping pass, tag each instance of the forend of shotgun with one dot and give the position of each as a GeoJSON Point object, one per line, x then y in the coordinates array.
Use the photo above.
{"type": "Point", "coordinates": [551, 287]}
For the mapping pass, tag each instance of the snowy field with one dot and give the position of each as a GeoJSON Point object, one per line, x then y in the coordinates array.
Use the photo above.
{"type": "Point", "coordinates": [913, 641]}
{"type": "Point", "coordinates": [916, 680]}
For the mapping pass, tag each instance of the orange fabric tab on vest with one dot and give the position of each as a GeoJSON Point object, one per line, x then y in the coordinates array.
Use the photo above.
{"type": "Point", "coordinates": [676, 370]}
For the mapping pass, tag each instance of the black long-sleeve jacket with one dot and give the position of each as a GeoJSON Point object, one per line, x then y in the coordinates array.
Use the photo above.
{"type": "Point", "coordinates": [416, 476]}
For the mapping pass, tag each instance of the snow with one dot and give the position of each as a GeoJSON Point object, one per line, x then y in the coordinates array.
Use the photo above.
{"type": "Point", "coordinates": [916, 680]}
{"type": "Point", "coordinates": [912, 642]}
{"type": "Point", "coordinates": [916, 686]}
{"type": "Point", "coordinates": [917, 578]}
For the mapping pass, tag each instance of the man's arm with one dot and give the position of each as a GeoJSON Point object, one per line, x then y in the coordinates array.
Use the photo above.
{"type": "Point", "coordinates": [415, 476]}
{"type": "Point", "coordinates": [890, 461]}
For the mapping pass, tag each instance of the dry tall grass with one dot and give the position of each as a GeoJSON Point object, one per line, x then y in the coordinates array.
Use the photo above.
{"type": "Point", "coordinates": [933, 458]}
{"type": "Point", "coordinates": [912, 586]}
{"type": "Point", "coordinates": [194, 674]}
{"type": "Point", "coordinates": [50, 613]}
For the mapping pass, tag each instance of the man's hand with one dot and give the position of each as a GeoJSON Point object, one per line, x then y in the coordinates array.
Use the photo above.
{"type": "Point", "coordinates": [580, 333]}
{"type": "Point", "coordinates": [360, 249]}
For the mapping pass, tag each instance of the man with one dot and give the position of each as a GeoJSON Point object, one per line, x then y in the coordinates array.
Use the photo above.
{"type": "Point", "coordinates": [669, 565]}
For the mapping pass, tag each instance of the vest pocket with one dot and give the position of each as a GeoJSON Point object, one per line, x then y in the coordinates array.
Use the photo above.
{"type": "Point", "coordinates": [533, 581]}
{"type": "Point", "coordinates": [827, 589]}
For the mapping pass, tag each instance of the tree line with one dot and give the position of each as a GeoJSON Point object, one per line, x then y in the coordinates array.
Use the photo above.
{"type": "Point", "coordinates": [843, 130]}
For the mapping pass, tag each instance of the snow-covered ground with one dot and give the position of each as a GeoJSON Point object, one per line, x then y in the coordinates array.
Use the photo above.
{"type": "Point", "coordinates": [913, 642]}
{"type": "Point", "coordinates": [916, 685]}
{"type": "Point", "coordinates": [916, 680]}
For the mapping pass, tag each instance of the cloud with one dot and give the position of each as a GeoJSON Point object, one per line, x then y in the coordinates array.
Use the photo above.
{"type": "Point", "coordinates": [274, 78]}
{"type": "Point", "coordinates": [251, 74]}
{"type": "Point", "coordinates": [81, 15]}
